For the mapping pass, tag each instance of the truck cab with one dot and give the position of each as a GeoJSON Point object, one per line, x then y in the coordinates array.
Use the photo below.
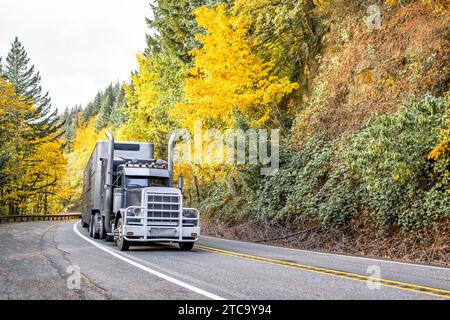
{"type": "Point", "coordinates": [128, 196]}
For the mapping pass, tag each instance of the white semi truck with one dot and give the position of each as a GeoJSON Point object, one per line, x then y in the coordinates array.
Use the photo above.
{"type": "Point", "coordinates": [128, 197]}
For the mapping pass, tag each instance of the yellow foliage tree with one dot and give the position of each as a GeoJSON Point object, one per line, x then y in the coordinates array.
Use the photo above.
{"type": "Point", "coordinates": [227, 76]}
{"type": "Point", "coordinates": [147, 118]}
{"type": "Point", "coordinates": [83, 144]}
{"type": "Point", "coordinates": [31, 170]}
{"type": "Point", "coordinates": [142, 99]}
{"type": "Point", "coordinates": [42, 185]}
{"type": "Point", "coordinates": [13, 139]}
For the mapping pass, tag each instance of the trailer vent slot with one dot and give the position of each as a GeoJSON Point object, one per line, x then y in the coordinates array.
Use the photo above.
{"type": "Point", "coordinates": [127, 147]}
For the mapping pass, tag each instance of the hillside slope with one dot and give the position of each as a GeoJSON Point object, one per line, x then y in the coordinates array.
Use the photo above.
{"type": "Point", "coordinates": [356, 175]}
{"type": "Point", "coordinates": [361, 72]}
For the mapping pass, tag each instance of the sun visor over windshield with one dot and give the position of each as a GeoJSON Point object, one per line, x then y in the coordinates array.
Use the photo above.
{"type": "Point", "coordinates": [145, 172]}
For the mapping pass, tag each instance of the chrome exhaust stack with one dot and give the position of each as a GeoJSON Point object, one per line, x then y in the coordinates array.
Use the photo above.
{"type": "Point", "coordinates": [172, 140]}
{"type": "Point", "coordinates": [109, 181]}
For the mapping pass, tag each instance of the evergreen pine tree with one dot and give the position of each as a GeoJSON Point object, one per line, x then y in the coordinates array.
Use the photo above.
{"type": "Point", "coordinates": [104, 114]}
{"type": "Point", "coordinates": [26, 82]}
{"type": "Point", "coordinates": [67, 117]}
{"type": "Point", "coordinates": [87, 112]}
{"type": "Point", "coordinates": [175, 28]}
{"type": "Point", "coordinates": [93, 107]}
{"type": "Point", "coordinates": [117, 116]}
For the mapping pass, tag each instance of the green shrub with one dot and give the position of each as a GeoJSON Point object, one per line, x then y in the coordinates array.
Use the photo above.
{"type": "Point", "coordinates": [389, 158]}
{"type": "Point", "coordinates": [384, 169]}
{"type": "Point", "coordinates": [311, 185]}
{"type": "Point", "coordinates": [229, 200]}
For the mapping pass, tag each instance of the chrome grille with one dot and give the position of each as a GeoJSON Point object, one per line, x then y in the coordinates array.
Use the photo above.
{"type": "Point", "coordinates": [163, 209]}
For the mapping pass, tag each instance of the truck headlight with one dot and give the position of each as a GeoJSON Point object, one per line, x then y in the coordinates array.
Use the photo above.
{"type": "Point", "coordinates": [135, 212]}
{"type": "Point", "coordinates": [190, 213]}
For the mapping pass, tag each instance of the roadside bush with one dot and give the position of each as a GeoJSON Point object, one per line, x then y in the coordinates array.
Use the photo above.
{"type": "Point", "coordinates": [396, 168]}
{"type": "Point", "coordinates": [440, 158]}
{"type": "Point", "coordinates": [389, 158]}
{"type": "Point", "coordinates": [312, 185]}
{"type": "Point", "coordinates": [229, 200]}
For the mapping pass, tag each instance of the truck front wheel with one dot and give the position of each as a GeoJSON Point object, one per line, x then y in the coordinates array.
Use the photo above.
{"type": "Point", "coordinates": [96, 225]}
{"type": "Point", "coordinates": [91, 225]}
{"type": "Point", "coordinates": [102, 231]}
{"type": "Point", "coordinates": [121, 242]}
{"type": "Point", "coordinates": [186, 246]}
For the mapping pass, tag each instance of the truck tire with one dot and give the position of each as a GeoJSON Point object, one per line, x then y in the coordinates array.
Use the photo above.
{"type": "Point", "coordinates": [121, 242]}
{"type": "Point", "coordinates": [91, 226]}
{"type": "Point", "coordinates": [102, 232]}
{"type": "Point", "coordinates": [186, 246]}
{"type": "Point", "coordinates": [96, 225]}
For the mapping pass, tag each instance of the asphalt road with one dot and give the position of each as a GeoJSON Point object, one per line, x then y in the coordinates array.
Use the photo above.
{"type": "Point", "coordinates": [40, 260]}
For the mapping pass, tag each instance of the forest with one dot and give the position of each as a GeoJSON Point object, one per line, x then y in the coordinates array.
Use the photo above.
{"type": "Point", "coordinates": [363, 114]}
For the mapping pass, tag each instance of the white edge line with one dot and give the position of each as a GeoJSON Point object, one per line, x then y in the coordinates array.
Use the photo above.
{"type": "Point", "coordinates": [147, 269]}
{"type": "Point", "coordinates": [330, 254]}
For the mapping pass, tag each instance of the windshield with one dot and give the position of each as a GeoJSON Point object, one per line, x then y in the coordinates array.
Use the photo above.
{"type": "Point", "coordinates": [137, 182]}
{"type": "Point", "coordinates": [144, 182]}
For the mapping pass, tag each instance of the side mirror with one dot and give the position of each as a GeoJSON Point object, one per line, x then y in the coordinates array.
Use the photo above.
{"type": "Point", "coordinates": [180, 182]}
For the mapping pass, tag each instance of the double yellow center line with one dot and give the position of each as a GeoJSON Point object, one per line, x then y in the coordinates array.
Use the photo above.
{"type": "Point", "coordinates": [336, 273]}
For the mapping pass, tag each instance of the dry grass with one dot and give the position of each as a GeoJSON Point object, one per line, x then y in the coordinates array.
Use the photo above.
{"type": "Point", "coordinates": [363, 72]}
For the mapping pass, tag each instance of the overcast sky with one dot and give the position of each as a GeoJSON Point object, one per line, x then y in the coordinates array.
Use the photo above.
{"type": "Point", "coordinates": [78, 46]}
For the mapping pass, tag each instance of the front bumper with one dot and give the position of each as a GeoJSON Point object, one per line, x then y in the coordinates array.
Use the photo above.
{"type": "Point", "coordinates": [161, 218]}
{"type": "Point", "coordinates": [161, 234]}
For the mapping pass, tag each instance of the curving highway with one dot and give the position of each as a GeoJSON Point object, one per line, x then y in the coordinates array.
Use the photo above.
{"type": "Point", "coordinates": [57, 260]}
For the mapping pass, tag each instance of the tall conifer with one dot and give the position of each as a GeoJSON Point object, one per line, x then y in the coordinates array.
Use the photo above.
{"type": "Point", "coordinates": [27, 83]}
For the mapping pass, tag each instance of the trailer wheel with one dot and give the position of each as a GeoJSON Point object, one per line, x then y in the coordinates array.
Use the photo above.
{"type": "Point", "coordinates": [96, 225]}
{"type": "Point", "coordinates": [121, 242]}
{"type": "Point", "coordinates": [186, 246]}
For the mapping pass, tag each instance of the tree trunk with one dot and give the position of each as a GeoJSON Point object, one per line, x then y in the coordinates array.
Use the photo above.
{"type": "Point", "coordinates": [45, 204]}
{"type": "Point", "coordinates": [197, 192]}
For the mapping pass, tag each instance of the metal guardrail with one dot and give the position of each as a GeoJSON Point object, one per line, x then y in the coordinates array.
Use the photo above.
{"type": "Point", "coordinates": [39, 217]}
